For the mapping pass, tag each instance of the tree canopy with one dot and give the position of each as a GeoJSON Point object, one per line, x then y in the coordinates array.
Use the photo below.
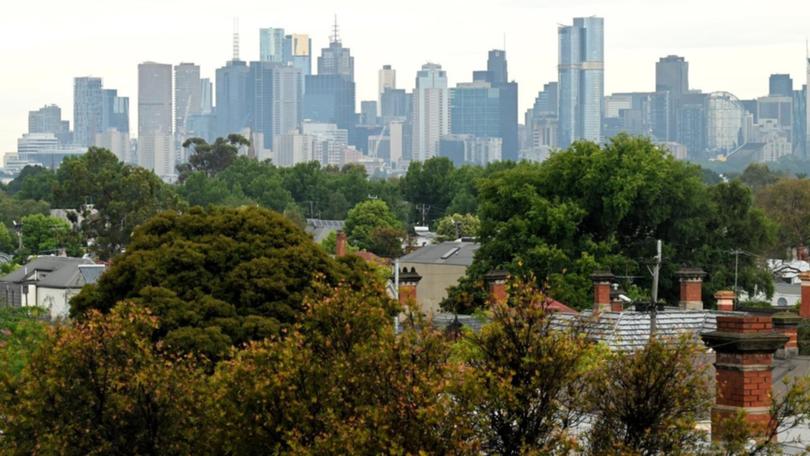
{"type": "Point", "coordinates": [217, 277]}
{"type": "Point", "coordinates": [371, 225]}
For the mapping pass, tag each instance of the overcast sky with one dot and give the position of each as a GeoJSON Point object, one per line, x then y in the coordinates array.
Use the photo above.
{"type": "Point", "coordinates": [731, 45]}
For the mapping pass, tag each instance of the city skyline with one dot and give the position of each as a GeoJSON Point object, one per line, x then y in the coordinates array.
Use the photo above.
{"type": "Point", "coordinates": [731, 54]}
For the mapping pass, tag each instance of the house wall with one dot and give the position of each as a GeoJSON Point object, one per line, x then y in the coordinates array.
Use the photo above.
{"type": "Point", "coordinates": [56, 300]}
{"type": "Point", "coordinates": [436, 279]}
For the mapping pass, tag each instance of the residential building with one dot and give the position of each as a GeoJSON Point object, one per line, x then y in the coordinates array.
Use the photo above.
{"type": "Point", "coordinates": [116, 142]}
{"type": "Point", "coordinates": [49, 282]}
{"type": "Point", "coordinates": [581, 80]}
{"type": "Point", "coordinates": [330, 142]}
{"type": "Point", "coordinates": [431, 111]}
{"type": "Point", "coordinates": [187, 96]}
{"type": "Point", "coordinates": [441, 266]}
{"type": "Point", "coordinates": [691, 124]}
{"type": "Point", "coordinates": [87, 106]}
{"type": "Point", "coordinates": [156, 152]}
{"type": "Point", "coordinates": [368, 112]}
{"type": "Point", "coordinates": [154, 98]}
{"type": "Point", "coordinates": [395, 104]}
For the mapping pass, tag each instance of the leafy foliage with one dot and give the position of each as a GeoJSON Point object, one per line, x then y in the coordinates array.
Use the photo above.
{"type": "Point", "coordinates": [211, 159]}
{"type": "Point", "coordinates": [457, 225]}
{"type": "Point", "coordinates": [372, 226]}
{"type": "Point", "coordinates": [44, 234]}
{"type": "Point", "coordinates": [215, 278]}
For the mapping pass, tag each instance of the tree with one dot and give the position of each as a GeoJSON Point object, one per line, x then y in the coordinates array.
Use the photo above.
{"type": "Point", "coordinates": [211, 159]}
{"type": "Point", "coordinates": [429, 184]}
{"type": "Point", "coordinates": [594, 207]}
{"type": "Point", "coordinates": [386, 241]}
{"type": "Point", "coordinates": [343, 382]}
{"type": "Point", "coordinates": [787, 202]}
{"type": "Point", "coordinates": [21, 332]}
{"type": "Point", "coordinates": [112, 197]}
{"type": "Point", "coordinates": [33, 182]}
{"type": "Point", "coordinates": [649, 401]}
{"type": "Point", "coordinates": [44, 233]}
{"type": "Point", "coordinates": [457, 225]}
{"type": "Point", "coordinates": [525, 381]}
{"type": "Point", "coordinates": [100, 387]}
{"type": "Point", "coordinates": [8, 243]}
{"type": "Point", "coordinates": [758, 176]}
{"type": "Point", "coordinates": [364, 219]}
{"type": "Point", "coordinates": [216, 277]}
{"type": "Point", "coordinates": [13, 210]}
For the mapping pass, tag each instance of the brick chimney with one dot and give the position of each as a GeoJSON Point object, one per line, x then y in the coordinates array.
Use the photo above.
{"type": "Point", "coordinates": [787, 324]}
{"type": "Point", "coordinates": [616, 304]}
{"type": "Point", "coordinates": [804, 307]}
{"type": "Point", "coordinates": [725, 300]}
{"type": "Point", "coordinates": [601, 290]}
{"type": "Point", "coordinates": [341, 242]}
{"type": "Point", "coordinates": [744, 345]}
{"type": "Point", "coordinates": [691, 288]}
{"type": "Point", "coordinates": [496, 282]}
{"type": "Point", "coordinates": [408, 280]}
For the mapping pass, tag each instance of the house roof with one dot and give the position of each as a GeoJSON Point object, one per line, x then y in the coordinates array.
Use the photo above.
{"type": "Point", "coordinates": [450, 253]}
{"type": "Point", "coordinates": [60, 272]}
{"type": "Point", "coordinates": [320, 229]}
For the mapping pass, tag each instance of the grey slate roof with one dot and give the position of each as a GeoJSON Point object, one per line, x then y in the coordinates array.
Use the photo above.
{"type": "Point", "coordinates": [433, 254]}
{"type": "Point", "coordinates": [320, 229]}
{"type": "Point", "coordinates": [59, 272]}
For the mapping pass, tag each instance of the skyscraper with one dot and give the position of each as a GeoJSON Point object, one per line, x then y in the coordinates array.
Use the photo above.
{"type": "Point", "coordinates": [155, 139]}
{"type": "Point", "coordinates": [271, 45]}
{"type": "Point", "coordinates": [431, 111]}
{"type": "Point", "coordinates": [187, 96]}
{"type": "Point", "coordinates": [48, 119]}
{"type": "Point", "coordinates": [807, 111]}
{"type": "Point", "coordinates": [672, 74]}
{"type": "Point", "coordinates": [87, 101]}
{"type": "Point", "coordinates": [206, 96]}
{"type": "Point", "coordinates": [496, 67]}
{"type": "Point", "coordinates": [234, 98]}
{"type": "Point", "coordinates": [581, 80]}
{"type": "Point", "coordinates": [114, 111]}
{"type": "Point", "coordinates": [486, 110]}
{"type": "Point", "coordinates": [330, 98]}
{"type": "Point", "coordinates": [336, 59]}
{"type": "Point", "coordinates": [780, 85]}
{"type": "Point", "coordinates": [154, 98]}
{"type": "Point", "coordinates": [276, 101]}
{"type": "Point", "coordinates": [298, 53]}
{"type": "Point", "coordinates": [386, 79]}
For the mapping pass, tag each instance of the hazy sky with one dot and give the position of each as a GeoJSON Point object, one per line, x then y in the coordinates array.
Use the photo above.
{"type": "Point", "coordinates": [731, 45]}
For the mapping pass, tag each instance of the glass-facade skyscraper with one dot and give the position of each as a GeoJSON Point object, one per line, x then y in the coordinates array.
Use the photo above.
{"type": "Point", "coordinates": [187, 95]}
{"type": "Point", "coordinates": [87, 106]}
{"type": "Point", "coordinates": [672, 75]}
{"type": "Point", "coordinates": [233, 100]}
{"type": "Point", "coordinates": [114, 111]}
{"type": "Point", "coordinates": [336, 59]}
{"type": "Point", "coordinates": [330, 98]}
{"type": "Point", "coordinates": [276, 94]}
{"type": "Point", "coordinates": [581, 80]}
{"type": "Point", "coordinates": [271, 45]}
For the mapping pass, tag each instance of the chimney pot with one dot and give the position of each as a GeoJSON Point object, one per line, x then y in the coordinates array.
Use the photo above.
{"type": "Point", "coordinates": [725, 300]}
{"type": "Point", "coordinates": [341, 242]}
{"type": "Point", "coordinates": [691, 288]}
{"type": "Point", "coordinates": [601, 290]}
{"type": "Point", "coordinates": [804, 307]}
{"type": "Point", "coordinates": [496, 280]}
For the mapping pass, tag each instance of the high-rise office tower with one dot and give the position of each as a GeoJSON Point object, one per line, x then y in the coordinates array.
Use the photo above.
{"type": "Point", "coordinates": [672, 74]}
{"type": "Point", "coordinates": [48, 119]}
{"type": "Point", "coordinates": [486, 110]}
{"type": "Point", "coordinates": [546, 102]}
{"type": "Point", "coordinates": [298, 53]}
{"type": "Point", "coordinates": [271, 45]}
{"type": "Point", "coordinates": [336, 59]}
{"type": "Point", "coordinates": [780, 85]}
{"type": "Point", "coordinates": [206, 96]}
{"type": "Point", "coordinates": [234, 98]}
{"type": "Point", "coordinates": [114, 111]}
{"type": "Point", "coordinates": [807, 112]}
{"type": "Point", "coordinates": [154, 98]}
{"type": "Point", "coordinates": [276, 101]}
{"type": "Point", "coordinates": [496, 67]}
{"type": "Point", "coordinates": [187, 95]}
{"type": "Point", "coordinates": [330, 98]}
{"type": "Point", "coordinates": [155, 138]}
{"type": "Point", "coordinates": [386, 79]}
{"type": "Point", "coordinates": [581, 80]}
{"type": "Point", "coordinates": [87, 101]}
{"type": "Point", "coordinates": [431, 111]}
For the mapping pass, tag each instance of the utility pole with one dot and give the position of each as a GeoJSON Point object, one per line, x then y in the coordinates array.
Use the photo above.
{"type": "Point", "coordinates": [736, 253]}
{"type": "Point", "coordinates": [423, 208]}
{"type": "Point", "coordinates": [656, 272]}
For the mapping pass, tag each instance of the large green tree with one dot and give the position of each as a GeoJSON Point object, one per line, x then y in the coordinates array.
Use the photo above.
{"type": "Point", "coordinates": [211, 159]}
{"type": "Point", "coordinates": [787, 202]}
{"type": "Point", "coordinates": [596, 207]}
{"type": "Point", "coordinates": [217, 277]}
{"type": "Point", "coordinates": [112, 197]}
{"type": "Point", "coordinates": [33, 182]}
{"type": "Point", "coordinates": [372, 226]}
{"type": "Point", "coordinates": [44, 234]}
{"type": "Point", "coordinates": [428, 186]}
